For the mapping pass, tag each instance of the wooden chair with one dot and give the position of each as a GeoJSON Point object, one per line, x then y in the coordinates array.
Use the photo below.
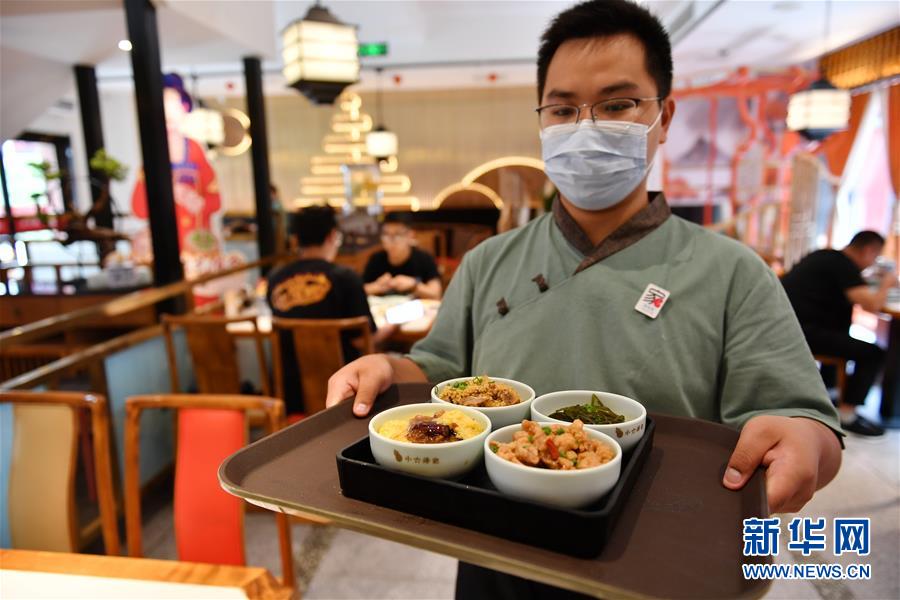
{"type": "Point", "coordinates": [42, 513]}
{"type": "Point", "coordinates": [213, 352]}
{"type": "Point", "coordinates": [20, 359]}
{"type": "Point", "coordinates": [840, 365]}
{"type": "Point", "coordinates": [319, 352]}
{"type": "Point", "coordinates": [209, 523]}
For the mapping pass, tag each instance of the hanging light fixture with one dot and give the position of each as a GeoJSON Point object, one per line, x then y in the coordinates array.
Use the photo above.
{"type": "Point", "coordinates": [203, 124]}
{"type": "Point", "coordinates": [821, 109]}
{"type": "Point", "coordinates": [320, 55]}
{"type": "Point", "coordinates": [381, 144]}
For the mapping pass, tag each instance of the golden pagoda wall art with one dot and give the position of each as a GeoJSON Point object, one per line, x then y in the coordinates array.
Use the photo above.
{"type": "Point", "coordinates": [346, 176]}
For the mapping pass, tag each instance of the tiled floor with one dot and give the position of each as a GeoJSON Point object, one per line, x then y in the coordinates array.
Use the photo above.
{"type": "Point", "coordinates": [337, 564]}
{"type": "Point", "coordinates": [868, 485]}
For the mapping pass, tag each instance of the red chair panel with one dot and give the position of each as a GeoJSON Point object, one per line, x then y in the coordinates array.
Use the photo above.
{"type": "Point", "coordinates": [209, 523]}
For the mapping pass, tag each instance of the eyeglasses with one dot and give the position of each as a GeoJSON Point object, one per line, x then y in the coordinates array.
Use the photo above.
{"type": "Point", "coordinates": [393, 237]}
{"type": "Point", "coordinates": [613, 109]}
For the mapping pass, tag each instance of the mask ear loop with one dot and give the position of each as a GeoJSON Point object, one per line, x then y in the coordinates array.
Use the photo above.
{"type": "Point", "coordinates": [656, 121]}
{"type": "Point", "coordinates": [652, 161]}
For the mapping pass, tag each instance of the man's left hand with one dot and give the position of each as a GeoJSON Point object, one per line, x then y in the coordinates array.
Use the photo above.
{"type": "Point", "coordinates": [800, 456]}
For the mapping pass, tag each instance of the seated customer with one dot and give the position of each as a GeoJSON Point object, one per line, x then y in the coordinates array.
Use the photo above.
{"type": "Point", "coordinates": [313, 287]}
{"type": "Point", "coordinates": [823, 287]}
{"type": "Point", "coordinates": [401, 268]}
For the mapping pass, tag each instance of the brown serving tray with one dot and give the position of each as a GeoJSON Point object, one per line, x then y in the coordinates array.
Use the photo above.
{"type": "Point", "coordinates": [679, 535]}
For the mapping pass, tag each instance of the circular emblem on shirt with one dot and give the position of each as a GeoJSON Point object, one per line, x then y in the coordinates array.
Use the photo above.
{"type": "Point", "coordinates": [302, 289]}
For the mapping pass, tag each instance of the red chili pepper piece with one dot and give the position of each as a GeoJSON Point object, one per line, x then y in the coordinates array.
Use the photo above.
{"type": "Point", "coordinates": [554, 453]}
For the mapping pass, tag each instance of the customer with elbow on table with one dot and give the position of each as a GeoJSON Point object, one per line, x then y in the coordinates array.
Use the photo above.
{"type": "Point", "coordinates": [609, 291]}
{"type": "Point", "coordinates": [401, 268]}
{"type": "Point", "coordinates": [823, 287]}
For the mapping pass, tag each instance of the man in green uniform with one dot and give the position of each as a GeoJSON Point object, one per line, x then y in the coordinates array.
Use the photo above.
{"type": "Point", "coordinates": [611, 292]}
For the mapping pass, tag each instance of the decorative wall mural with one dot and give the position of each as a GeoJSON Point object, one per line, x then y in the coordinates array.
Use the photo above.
{"type": "Point", "coordinates": [197, 202]}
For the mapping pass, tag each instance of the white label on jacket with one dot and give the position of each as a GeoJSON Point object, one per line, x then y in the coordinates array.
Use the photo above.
{"type": "Point", "coordinates": [652, 301]}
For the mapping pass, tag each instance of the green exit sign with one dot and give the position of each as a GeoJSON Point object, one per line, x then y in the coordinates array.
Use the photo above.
{"type": "Point", "coordinates": [379, 49]}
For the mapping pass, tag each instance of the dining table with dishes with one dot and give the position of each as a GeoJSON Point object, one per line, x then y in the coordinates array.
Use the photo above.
{"type": "Point", "coordinates": [410, 330]}
{"type": "Point", "coordinates": [415, 320]}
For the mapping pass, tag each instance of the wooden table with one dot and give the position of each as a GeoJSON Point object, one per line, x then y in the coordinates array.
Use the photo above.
{"type": "Point", "coordinates": [400, 341]}
{"type": "Point", "coordinates": [408, 333]}
{"type": "Point", "coordinates": [33, 574]}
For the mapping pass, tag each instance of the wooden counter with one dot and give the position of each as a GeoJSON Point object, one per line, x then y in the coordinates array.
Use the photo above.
{"type": "Point", "coordinates": [33, 574]}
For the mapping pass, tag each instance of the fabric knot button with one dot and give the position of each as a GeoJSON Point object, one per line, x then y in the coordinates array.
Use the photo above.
{"type": "Point", "coordinates": [541, 282]}
{"type": "Point", "coordinates": [502, 306]}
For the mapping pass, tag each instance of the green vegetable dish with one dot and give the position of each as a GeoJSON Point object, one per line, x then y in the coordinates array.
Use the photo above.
{"type": "Point", "coordinates": [595, 413]}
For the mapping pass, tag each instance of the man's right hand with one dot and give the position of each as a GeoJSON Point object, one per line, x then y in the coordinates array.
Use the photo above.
{"type": "Point", "coordinates": [365, 378]}
{"type": "Point", "coordinates": [369, 376]}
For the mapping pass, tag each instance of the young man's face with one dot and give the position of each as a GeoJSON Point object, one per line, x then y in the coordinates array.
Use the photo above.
{"type": "Point", "coordinates": [869, 254]}
{"type": "Point", "coordinates": [585, 71]}
{"type": "Point", "coordinates": [395, 237]}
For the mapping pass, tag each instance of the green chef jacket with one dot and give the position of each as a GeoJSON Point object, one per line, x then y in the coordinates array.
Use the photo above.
{"type": "Point", "coordinates": [542, 305]}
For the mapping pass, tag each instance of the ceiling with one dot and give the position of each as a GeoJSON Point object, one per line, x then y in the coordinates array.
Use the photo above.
{"type": "Point", "coordinates": [432, 44]}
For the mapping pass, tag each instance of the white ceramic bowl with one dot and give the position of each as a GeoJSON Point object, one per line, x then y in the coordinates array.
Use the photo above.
{"type": "Point", "coordinates": [568, 489]}
{"type": "Point", "coordinates": [443, 460]}
{"type": "Point", "coordinates": [500, 416]}
{"type": "Point", "coordinates": [627, 433]}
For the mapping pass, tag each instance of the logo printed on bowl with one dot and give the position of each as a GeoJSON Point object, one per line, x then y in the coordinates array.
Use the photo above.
{"type": "Point", "coordinates": [635, 429]}
{"type": "Point", "coordinates": [417, 460]}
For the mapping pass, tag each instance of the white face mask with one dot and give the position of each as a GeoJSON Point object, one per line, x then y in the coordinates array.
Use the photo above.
{"type": "Point", "coordinates": [596, 164]}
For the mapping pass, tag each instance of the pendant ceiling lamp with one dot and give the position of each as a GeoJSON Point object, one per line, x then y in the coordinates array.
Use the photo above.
{"type": "Point", "coordinates": [203, 124]}
{"type": "Point", "coordinates": [821, 109]}
{"type": "Point", "coordinates": [320, 55]}
{"type": "Point", "coordinates": [381, 144]}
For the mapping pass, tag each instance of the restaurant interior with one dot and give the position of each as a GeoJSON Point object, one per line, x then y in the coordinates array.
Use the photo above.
{"type": "Point", "coordinates": [166, 424]}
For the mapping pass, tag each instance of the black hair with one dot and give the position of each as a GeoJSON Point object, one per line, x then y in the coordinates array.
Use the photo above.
{"type": "Point", "coordinates": [174, 81]}
{"type": "Point", "coordinates": [864, 239]}
{"type": "Point", "coordinates": [312, 225]}
{"type": "Point", "coordinates": [396, 218]}
{"type": "Point", "coordinates": [604, 18]}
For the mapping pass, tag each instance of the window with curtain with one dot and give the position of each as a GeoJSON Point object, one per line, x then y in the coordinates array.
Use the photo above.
{"type": "Point", "coordinates": [866, 199]}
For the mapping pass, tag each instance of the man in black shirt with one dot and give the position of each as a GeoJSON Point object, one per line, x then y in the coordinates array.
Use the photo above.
{"type": "Point", "coordinates": [401, 268]}
{"type": "Point", "coordinates": [823, 287]}
{"type": "Point", "coordinates": [313, 287]}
